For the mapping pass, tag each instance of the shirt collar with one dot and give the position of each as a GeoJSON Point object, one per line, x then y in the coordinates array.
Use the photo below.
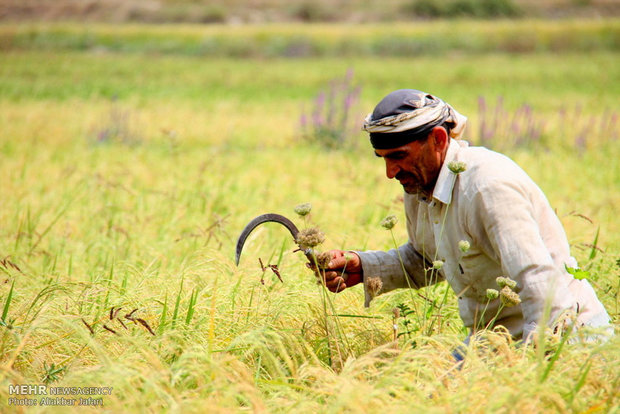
{"type": "Point", "coordinates": [446, 179]}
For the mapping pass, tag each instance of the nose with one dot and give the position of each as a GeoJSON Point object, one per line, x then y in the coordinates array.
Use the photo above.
{"type": "Point", "coordinates": [391, 168]}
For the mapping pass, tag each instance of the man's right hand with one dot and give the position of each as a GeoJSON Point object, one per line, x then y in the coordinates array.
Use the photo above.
{"type": "Point", "coordinates": [343, 271]}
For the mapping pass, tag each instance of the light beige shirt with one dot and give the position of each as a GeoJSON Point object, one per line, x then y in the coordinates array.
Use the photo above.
{"type": "Point", "coordinates": [512, 231]}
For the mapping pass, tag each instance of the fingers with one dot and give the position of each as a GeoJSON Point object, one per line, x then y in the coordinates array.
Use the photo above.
{"type": "Point", "coordinates": [337, 263]}
{"type": "Point", "coordinates": [338, 281]}
{"type": "Point", "coordinates": [349, 261]}
{"type": "Point", "coordinates": [336, 285]}
{"type": "Point", "coordinates": [338, 259]}
{"type": "Point", "coordinates": [334, 281]}
{"type": "Point", "coordinates": [344, 270]}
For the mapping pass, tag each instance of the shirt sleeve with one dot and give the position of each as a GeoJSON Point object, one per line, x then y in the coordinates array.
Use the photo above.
{"type": "Point", "coordinates": [390, 272]}
{"type": "Point", "coordinates": [503, 221]}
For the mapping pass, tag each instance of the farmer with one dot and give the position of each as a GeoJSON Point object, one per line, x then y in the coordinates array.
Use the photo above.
{"type": "Point", "coordinates": [472, 216]}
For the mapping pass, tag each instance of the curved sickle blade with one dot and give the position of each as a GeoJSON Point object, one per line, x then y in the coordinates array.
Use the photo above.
{"type": "Point", "coordinates": [264, 218]}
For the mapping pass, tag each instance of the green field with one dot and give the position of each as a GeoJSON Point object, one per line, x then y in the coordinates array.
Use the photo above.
{"type": "Point", "coordinates": [128, 173]}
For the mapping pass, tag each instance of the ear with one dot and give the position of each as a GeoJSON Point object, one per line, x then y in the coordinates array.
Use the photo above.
{"type": "Point", "coordinates": [440, 138]}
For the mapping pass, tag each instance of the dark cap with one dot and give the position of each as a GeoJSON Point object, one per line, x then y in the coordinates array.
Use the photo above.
{"type": "Point", "coordinates": [398, 102]}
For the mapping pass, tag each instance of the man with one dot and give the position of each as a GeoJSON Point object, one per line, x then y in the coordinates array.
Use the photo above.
{"type": "Point", "coordinates": [474, 213]}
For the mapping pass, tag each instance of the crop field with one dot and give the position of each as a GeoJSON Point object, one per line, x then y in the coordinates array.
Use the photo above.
{"type": "Point", "coordinates": [131, 158]}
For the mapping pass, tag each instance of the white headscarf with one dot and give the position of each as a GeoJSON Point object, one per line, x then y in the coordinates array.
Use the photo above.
{"type": "Point", "coordinates": [427, 109]}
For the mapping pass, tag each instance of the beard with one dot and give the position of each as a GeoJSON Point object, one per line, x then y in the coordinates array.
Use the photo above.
{"type": "Point", "coordinates": [412, 184]}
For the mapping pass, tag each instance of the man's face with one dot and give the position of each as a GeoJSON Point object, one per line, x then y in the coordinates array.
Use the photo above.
{"type": "Point", "coordinates": [416, 164]}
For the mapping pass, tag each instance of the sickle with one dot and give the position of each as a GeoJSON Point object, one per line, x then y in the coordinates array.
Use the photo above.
{"type": "Point", "coordinates": [264, 218]}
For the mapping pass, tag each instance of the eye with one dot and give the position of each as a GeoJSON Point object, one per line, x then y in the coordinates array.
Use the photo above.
{"type": "Point", "coordinates": [399, 155]}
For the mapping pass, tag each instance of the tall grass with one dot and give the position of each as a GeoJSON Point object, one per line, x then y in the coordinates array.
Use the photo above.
{"type": "Point", "coordinates": [104, 242]}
